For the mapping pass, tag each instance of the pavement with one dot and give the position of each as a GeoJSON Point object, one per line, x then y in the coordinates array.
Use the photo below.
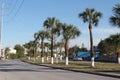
{"type": "Point", "coordinates": [18, 70]}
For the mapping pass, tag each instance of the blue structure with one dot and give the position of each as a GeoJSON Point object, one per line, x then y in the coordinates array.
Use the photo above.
{"type": "Point", "coordinates": [86, 54]}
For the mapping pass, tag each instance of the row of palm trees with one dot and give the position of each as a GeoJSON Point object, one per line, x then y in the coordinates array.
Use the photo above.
{"type": "Point", "coordinates": [55, 28]}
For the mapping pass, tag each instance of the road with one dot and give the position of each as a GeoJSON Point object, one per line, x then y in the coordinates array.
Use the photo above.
{"type": "Point", "coordinates": [17, 70]}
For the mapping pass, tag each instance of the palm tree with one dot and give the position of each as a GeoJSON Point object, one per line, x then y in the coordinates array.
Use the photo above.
{"type": "Point", "coordinates": [47, 46]}
{"type": "Point", "coordinates": [115, 20]}
{"type": "Point", "coordinates": [30, 48]}
{"type": "Point", "coordinates": [69, 32]}
{"type": "Point", "coordinates": [36, 44]}
{"type": "Point", "coordinates": [92, 17]}
{"type": "Point", "coordinates": [53, 25]}
{"type": "Point", "coordinates": [61, 45]}
{"type": "Point", "coordinates": [42, 35]}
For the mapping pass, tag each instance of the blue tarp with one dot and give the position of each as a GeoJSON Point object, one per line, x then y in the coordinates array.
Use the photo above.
{"type": "Point", "coordinates": [86, 54]}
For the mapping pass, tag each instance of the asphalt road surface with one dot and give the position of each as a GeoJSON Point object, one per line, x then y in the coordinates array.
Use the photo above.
{"type": "Point", "coordinates": [17, 70]}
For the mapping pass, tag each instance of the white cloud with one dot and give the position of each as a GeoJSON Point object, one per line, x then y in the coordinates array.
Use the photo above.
{"type": "Point", "coordinates": [98, 34]}
{"type": "Point", "coordinates": [105, 30]}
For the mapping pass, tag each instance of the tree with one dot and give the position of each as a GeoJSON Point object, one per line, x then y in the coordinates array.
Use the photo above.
{"type": "Point", "coordinates": [116, 42]}
{"type": "Point", "coordinates": [47, 46]}
{"type": "Point", "coordinates": [103, 47]}
{"type": "Point", "coordinates": [19, 51]}
{"type": "Point", "coordinates": [42, 35]}
{"type": "Point", "coordinates": [115, 21]}
{"type": "Point", "coordinates": [30, 48]}
{"type": "Point", "coordinates": [73, 51]}
{"type": "Point", "coordinates": [60, 45]}
{"type": "Point", "coordinates": [36, 43]}
{"type": "Point", "coordinates": [110, 46]}
{"type": "Point", "coordinates": [7, 50]}
{"type": "Point", "coordinates": [69, 32]}
{"type": "Point", "coordinates": [92, 18]}
{"type": "Point", "coordinates": [53, 25]}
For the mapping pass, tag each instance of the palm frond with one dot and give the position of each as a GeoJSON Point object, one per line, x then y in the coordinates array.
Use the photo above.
{"type": "Point", "coordinates": [115, 19]}
{"type": "Point", "coordinates": [90, 16]}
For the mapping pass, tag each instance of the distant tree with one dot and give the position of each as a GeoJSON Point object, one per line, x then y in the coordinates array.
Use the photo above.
{"type": "Point", "coordinates": [116, 42]}
{"type": "Point", "coordinates": [115, 21]}
{"type": "Point", "coordinates": [75, 49]}
{"type": "Point", "coordinates": [83, 49]}
{"type": "Point", "coordinates": [110, 45]}
{"type": "Point", "coordinates": [7, 52]}
{"type": "Point", "coordinates": [30, 48]}
{"type": "Point", "coordinates": [103, 47]}
{"type": "Point", "coordinates": [47, 47]}
{"type": "Point", "coordinates": [19, 51]}
{"type": "Point", "coordinates": [36, 44]}
{"type": "Point", "coordinates": [60, 46]}
{"type": "Point", "coordinates": [92, 18]}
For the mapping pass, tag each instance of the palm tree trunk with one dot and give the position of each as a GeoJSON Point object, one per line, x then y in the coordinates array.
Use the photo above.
{"type": "Point", "coordinates": [42, 55]}
{"type": "Point", "coordinates": [91, 45]}
{"type": "Point", "coordinates": [118, 54]}
{"type": "Point", "coordinates": [61, 54]}
{"type": "Point", "coordinates": [34, 55]}
{"type": "Point", "coordinates": [117, 51]}
{"type": "Point", "coordinates": [47, 55]}
{"type": "Point", "coordinates": [52, 61]}
{"type": "Point", "coordinates": [66, 52]}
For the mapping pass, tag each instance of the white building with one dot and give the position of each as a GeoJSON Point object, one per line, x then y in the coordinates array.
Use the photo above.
{"type": "Point", "coordinates": [12, 51]}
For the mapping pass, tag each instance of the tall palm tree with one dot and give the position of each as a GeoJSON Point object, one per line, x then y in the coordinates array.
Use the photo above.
{"type": "Point", "coordinates": [42, 35]}
{"type": "Point", "coordinates": [115, 20]}
{"type": "Point", "coordinates": [69, 32]}
{"type": "Point", "coordinates": [92, 18]}
{"type": "Point", "coordinates": [53, 25]}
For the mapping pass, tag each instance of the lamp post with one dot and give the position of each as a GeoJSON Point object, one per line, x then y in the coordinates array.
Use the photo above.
{"type": "Point", "coordinates": [2, 17]}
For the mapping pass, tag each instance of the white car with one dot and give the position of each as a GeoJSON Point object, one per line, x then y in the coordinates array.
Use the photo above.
{"type": "Point", "coordinates": [77, 59]}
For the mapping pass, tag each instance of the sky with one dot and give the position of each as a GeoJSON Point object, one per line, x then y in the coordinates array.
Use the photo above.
{"type": "Point", "coordinates": [22, 18]}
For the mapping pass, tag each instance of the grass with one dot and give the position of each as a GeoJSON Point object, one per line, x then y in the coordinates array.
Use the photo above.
{"type": "Point", "coordinates": [84, 66]}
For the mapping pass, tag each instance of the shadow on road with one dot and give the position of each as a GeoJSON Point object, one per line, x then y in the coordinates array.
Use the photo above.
{"type": "Point", "coordinates": [15, 70]}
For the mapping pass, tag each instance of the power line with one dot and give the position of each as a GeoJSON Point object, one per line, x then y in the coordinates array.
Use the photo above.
{"type": "Point", "coordinates": [16, 11]}
{"type": "Point", "coordinates": [1, 25]}
{"type": "Point", "coordinates": [13, 7]}
{"type": "Point", "coordinates": [19, 7]}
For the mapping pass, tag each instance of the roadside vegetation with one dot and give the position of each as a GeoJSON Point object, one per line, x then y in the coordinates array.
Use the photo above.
{"type": "Point", "coordinates": [82, 66]}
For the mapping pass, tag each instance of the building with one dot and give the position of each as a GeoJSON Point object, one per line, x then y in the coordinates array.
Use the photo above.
{"type": "Point", "coordinates": [11, 51]}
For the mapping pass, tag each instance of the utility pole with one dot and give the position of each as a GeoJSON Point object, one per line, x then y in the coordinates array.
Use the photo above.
{"type": "Point", "coordinates": [1, 25]}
